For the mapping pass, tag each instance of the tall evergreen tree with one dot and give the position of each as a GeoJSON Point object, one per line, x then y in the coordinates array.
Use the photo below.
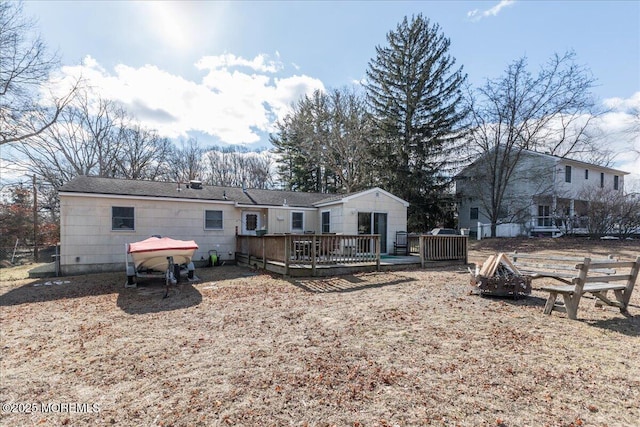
{"type": "Point", "coordinates": [414, 94]}
{"type": "Point", "coordinates": [323, 144]}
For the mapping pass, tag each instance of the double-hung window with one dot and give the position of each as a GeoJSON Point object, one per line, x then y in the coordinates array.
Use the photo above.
{"type": "Point", "coordinates": [213, 220]}
{"type": "Point", "coordinates": [297, 221]}
{"type": "Point", "coordinates": [122, 218]}
{"type": "Point", "coordinates": [326, 222]}
{"type": "Point", "coordinates": [473, 214]}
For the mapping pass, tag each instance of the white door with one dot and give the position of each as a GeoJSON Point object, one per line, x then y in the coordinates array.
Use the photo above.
{"type": "Point", "coordinates": [250, 222]}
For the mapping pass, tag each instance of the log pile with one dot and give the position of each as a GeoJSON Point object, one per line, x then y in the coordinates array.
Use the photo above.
{"type": "Point", "coordinates": [498, 276]}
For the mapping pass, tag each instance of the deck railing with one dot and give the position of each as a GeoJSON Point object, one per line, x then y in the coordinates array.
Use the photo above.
{"type": "Point", "coordinates": [443, 248]}
{"type": "Point", "coordinates": [311, 249]}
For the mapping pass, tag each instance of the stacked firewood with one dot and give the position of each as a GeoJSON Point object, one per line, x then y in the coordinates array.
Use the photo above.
{"type": "Point", "coordinates": [498, 276]}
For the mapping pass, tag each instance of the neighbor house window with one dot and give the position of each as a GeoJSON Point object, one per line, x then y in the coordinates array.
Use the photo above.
{"type": "Point", "coordinates": [586, 174]}
{"type": "Point", "coordinates": [473, 214]}
{"type": "Point", "coordinates": [567, 174]}
{"type": "Point", "coordinates": [326, 222]}
{"type": "Point", "coordinates": [601, 180]}
{"type": "Point", "coordinates": [297, 221]}
{"type": "Point", "coordinates": [213, 220]}
{"type": "Point", "coordinates": [544, 217]}
{"type": "Point", "coordinates": [122, 218]}
{"type": "Point", "coordinates": [616, 182]}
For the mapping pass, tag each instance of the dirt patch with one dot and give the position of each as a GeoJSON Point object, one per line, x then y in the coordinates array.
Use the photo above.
{"type": "Point", "coordinates": [246, 348]}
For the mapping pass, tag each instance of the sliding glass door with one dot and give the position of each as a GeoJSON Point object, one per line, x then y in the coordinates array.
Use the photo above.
{"type": "Point", "coordinates": [373, 223]}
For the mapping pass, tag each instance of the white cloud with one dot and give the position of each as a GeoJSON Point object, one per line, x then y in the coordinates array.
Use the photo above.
{"type": "Point", "coordinates": [476, 14]}
{"type": "Point", "coordinates": [228, 60]}
{"type": "Point", "coordinates": [229, 104]}
{"type": "Point", "coordinates": [621, 127]}
{"type": "Point", "coordinates": [619, 104]}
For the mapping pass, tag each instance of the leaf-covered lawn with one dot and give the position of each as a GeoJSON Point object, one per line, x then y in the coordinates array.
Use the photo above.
{"type": "Point", "coordinates": [246, 348]}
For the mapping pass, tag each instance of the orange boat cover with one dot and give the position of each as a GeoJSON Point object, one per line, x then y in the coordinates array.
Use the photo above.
{"type": "Point", "coordinates": [161, 244]}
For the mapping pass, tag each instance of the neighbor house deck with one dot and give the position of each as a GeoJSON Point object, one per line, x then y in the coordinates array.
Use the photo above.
{"type": "Point", "coordinates": [330, 254]}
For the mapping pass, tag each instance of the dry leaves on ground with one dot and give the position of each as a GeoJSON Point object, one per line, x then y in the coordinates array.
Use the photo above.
{"type": "Point", "coordinates": [246, 348]}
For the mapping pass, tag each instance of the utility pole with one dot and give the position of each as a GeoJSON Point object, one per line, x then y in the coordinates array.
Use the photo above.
{"type": "Point", "coordinates": [35, 220]}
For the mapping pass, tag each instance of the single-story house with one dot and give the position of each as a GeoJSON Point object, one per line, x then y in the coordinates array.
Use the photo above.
{"type": "Point", "coordinates": [100, 216]}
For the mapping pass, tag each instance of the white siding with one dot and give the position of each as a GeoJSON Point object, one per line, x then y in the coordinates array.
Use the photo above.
{"type": "Point", "coordinates": [579, 185]}
{"type": "Point", "coordinates": [88, 243]}
{"type": "Point", "coordinates": [279, 219]}
{"type": "Point", "coordinates": [376, 202]}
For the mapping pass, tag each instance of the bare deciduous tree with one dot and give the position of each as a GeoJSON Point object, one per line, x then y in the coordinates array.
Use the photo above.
{"type": "Point", "coordinates": [144, 155]}
{"type": "Point", "coordinates": [549, 112]}
{"type": "Point", "coordinates": [25, 69]}
{"type": "Point", "coordinates": [611, 212]}
{"type": "Point", "coordinates": [235, 167]}
{"type": "Point", "coordinates": [187, 161]}
{"type": "Point", "coordinates": [86, 140]}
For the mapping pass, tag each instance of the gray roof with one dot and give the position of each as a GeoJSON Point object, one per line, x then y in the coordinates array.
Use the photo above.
{"type": "Point", "coordinates": [123, 187]}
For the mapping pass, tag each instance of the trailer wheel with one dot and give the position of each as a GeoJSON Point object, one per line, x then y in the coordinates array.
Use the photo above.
{"type": "Point", "coordinates": [131, 280]}
{"type": "Point", "coordinates": [176, 272]}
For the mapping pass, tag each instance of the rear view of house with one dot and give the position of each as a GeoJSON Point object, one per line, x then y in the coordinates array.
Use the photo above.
{"type": "Point", "coordinates": [99, 216]}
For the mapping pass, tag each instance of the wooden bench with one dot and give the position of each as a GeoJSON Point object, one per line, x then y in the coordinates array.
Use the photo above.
{"type": "Point", "coordinates": [580, 276]}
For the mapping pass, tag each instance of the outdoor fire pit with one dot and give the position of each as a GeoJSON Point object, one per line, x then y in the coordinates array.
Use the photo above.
{"type": "Point", "coordinates": [499, 277]}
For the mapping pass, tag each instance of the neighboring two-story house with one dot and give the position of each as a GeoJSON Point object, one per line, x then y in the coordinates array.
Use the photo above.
{"type": "Point", "coordinates": [543, 194]}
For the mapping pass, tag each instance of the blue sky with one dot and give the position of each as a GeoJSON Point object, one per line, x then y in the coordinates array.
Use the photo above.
{"type": "Point", "coordinates": [225, 71]}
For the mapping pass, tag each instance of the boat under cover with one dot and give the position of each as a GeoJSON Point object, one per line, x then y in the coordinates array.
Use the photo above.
{"type": "Point", "coordinates": [152, 253]}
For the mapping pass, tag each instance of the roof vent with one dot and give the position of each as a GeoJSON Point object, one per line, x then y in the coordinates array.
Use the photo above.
{"type": "Point", "coordinates": [196, 185]}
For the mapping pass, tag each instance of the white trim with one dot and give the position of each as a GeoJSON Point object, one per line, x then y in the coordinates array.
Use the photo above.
{"type": "Point", "coordinates": [322, 212]}
{"type": "Point", "coordinates": [363, 193]}
{"type": "Point", "coordinates": [129, 197]}
{"type": "Point", "coordinates": [291, 221]}
{"type": "Point", "coordinates": [205, 219]}
{"type": "Point", "coordinates": [577, 162]}
{"type": "Point", "coordinates": [284, 208]}
{"type": "Point", "coordinates": [119, 230]}
{"type": "Point", "coordinates": [243, 223]}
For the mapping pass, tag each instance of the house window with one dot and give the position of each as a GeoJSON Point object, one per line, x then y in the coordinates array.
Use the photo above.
{"type": "Point", "coordinates": [297, 221]}
{"type": "Point", "coordinates": [586, 174]}
{"type": "Point", "coordinates": [616, 182]}
{"type": "Point", "coordinates": [567, 174]}
{"type": "Point", "coordinates": [213, 220]}
{"type": "Point", "coordinates": [122, 218]}
{"type": "Point", "coordinates": [473, 214]}
{"type": "Point", "coordinates": [601, 180]}
{"type": "Point", "coordinates": [544, 217]}
{"type": "Point", "coordinates": [251, 222]}
{"type": "Point", "coordinates": [326, 222]}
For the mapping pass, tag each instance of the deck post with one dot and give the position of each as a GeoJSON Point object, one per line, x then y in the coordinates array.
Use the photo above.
{"type": "Point", "coordinates": [377, 240]}
{"type": "Point", "coordinates": [287, 254]}
{"type": "Point", "coordinates": [264, 253]}
{"type": "Point", "coordinates": [466, 250]}
{"type": "Point", "coordinates": [313, 255]}
{"type": "Point", "coordinates": [421, 246]}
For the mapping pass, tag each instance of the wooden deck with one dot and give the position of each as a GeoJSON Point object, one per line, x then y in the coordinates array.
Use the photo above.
{"type": "Point", "coordinates": [302, 255]}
